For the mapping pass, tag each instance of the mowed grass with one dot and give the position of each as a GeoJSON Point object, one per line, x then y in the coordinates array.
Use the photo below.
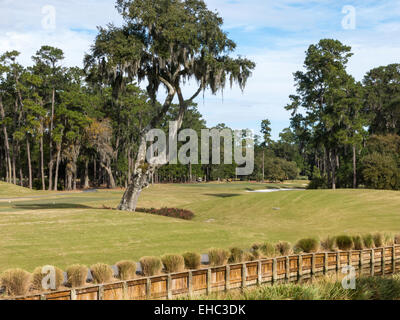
{"type": "Point", "coordinates": [74, 228]}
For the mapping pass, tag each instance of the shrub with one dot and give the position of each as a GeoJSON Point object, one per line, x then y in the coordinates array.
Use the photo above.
{"type": "Point", "coordinates": [283, 248]}
{"type": "Point", "coordinates": [126, 269]}
{"type": "Point", "coordinates": [173, 263]}
{"type": "Point", "coordinates": [17, 282]}
{"type": "Point", "coordinates": [344, 242]}
{"type": "Point", "coordinates": [248, 256]}
{"type": "Point", "coordinates": [308, 245]}
{"type": "Point", "coordinates": [151, 266]}
{"type": "Point", "coordinates": [192, 260]}
{"type": "Point", "coordinates": [358, 243]}
{"type": "Point", "coordinates": [236, 255]}
{"type": "Point", "coordinates": [77, 275]}
{"type": "Point", "coordinates": [38, 276]}
{"type": "Point", "coordinates": [329, 244]}
{"type": "Point", "coordinates": [368, 240]}
{"type": "Point", "coordinates": [101, 273]}
{"type": "Point", "coordinates": [169, 212]}
{"type": "Point", "coordinates": [218, 257]}
{"type": "Point", "coordinates": [378, 240]}
{"type": "Point", "coordinates": [268, 250]}
{"type": "Point", "coordinates": [388, 239]}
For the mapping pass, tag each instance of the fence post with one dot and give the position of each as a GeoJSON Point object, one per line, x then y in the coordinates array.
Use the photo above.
{"type": "Point", "coordinates": [259, 273]}
{"type": "Point", "coordinates": [300, 267]}
{"type": "Point", "coordinates": [394, 259]}
{"type": "Point", "coordinates": [372, 262]}
{"type": "Point", "coordinates": [125, 290]}
{"type": "Point", "coordinates": [148, 288]}
{"type": "Point", "coordinates": [100, 295]}
{"type": "Point", "coordinates": [350, 258]}
{"type": "Point", "coordinates": [338, 262]}
{"type": "Point", "coordinates": [274, 270]}
{"type": "Point", "coordinates": [244, 275]}
{"type": "Point", "coordinates": [383, 261]}
{"type": "Point", "coordinates": [209, 278]}
{"type": "Point", "coordinates": [73, 294]}
{"type": "Point", "coordinates": [190, 283]}
{"type": "Point", "coordinates": [169, 287]}
{"type": "Point", "coordinates": [313, 264]}
{"type": "Point", "coordinates": [326, 263]}
{"type": "Point", "coordinates": [227, 278]}
{"type": "Point", "coordinates": [287, 268]}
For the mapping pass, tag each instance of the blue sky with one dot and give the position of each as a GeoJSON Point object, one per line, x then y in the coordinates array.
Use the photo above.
{"type": "Point", "coordinates": [275, 34]}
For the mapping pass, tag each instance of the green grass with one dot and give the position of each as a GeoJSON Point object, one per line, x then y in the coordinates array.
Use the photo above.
{"type": "Point", "coordinates": [73, 228]}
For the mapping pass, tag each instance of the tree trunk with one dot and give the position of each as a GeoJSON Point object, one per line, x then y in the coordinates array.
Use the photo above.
{"type": "Point", "coordinates": [333, 164]}
{"type": "Point", "coordinates": [111, 180]}
{"type": "Point", "coordinates": [28, 151]}
{"type": "Point", "coordinates": [263, 166]}
{"type": "Point", "coordinates": [86, 183]}
{"type": "Point", "coordinates": [6, 143]}
{"type": "Point", "coordinates": [57, 166]}
{"type": "Point", "coordinates": [51, 161]}
{"type": "Point", "coordinates": [42, 160]}
{"type": "Point", "coordinates": [354, 168]}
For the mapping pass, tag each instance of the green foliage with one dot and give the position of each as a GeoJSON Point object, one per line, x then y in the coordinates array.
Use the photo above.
{"type": "Point", "coordinates": [358, 242]}
{"type": "Point", "coordinates": [344, 242]}
{"type": "Point", "coordinates": [77, 275]}
{"type": "Point", "coordinates": [268, 250]}
{"type": "Point", "coordinates": [218, 257]}
{"type": "Point", "coordinates": [173, 263]}
{"type": "Point", "coordinates": [308, 245]}
{"type": "Point", "coordinates": [101, 273]}
{"type": "Point", "coordinates": [379, 240]}
{"type": "Point", "coordinates": [126, 269]}
{"type": "Point", "coordinates": [380, 172]}
{"type": "Point", "coordinates": [151, 266]}
{"type": "Point", "coordinates": [368, 241]}
{"type": "Point", "coordinates": [192, 260]}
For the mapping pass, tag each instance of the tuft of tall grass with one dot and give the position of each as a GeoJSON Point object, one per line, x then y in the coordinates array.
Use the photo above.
{"type": "Point", "coordinates": [192, 260]}
{"type": "Point", "coordinates": [255, 250]}
{"type": "Point", "coordinates": [218, 257]}
{"type": "Point", "coordinates": [151, 266]}
{"type": "Point", "coordinates": [126, 269]}
{"type": "Point", "coordinates": [368, 240]}
{"type": "Point", "coordinates": [38, 276]}
{"type": "Point", "coordinates": [329, 244]}
{"type": "Point", "coordinates": [358, 242]}
{"type": "Point", "coordinates": [17, 282]}
{"type": "Point", "coordinates": [77, 275]}
{"type": "Point", "coordinates": [379, 240]}
{"type": "Point", "coordinates": [308, 245]}
{"type": "Point", "coordinates": [236, 255]}
{"type": "Point", "coordinates": [344, 242]}
{"type": "Point", "coordinates": [388, 239]}
{"type": "Point", "coordinates": [101, 273]}
{"type": "Point", "coordinates": [173, 263]}
{"type": "Point", "coordinates": [283, 248]}
{"type": "Point", "coordinates": [268, 250]}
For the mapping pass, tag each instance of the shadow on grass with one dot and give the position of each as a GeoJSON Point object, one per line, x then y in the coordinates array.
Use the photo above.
{"type": "Point", "coordinates": [44, 206]}
{"type": "Point", "coordinates": [222, 195]}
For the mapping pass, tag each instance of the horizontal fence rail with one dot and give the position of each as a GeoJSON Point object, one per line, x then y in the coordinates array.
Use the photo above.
{"type": "Point", "coordinates": [369, 262]}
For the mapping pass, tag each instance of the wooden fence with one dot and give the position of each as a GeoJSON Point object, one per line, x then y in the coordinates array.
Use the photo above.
{"type": "Point", "coordinates": [378, 261]}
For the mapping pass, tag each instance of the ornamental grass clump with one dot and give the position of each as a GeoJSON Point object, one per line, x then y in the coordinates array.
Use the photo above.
{"type": "Point", "coordinates": [255, 250]}
{"type": "Point", "coordinates": [16, 282]}
{"type": "Point", "coordinates": [126, 269]}
{"type": "Point", "coordinates": [283, 248]}
{"type": "Point", "coordinates": [329, 244]}
{"type": "Point", "coordinates": [151, 266]}
{"type": "Point", "coordinates": [368, 240]}
{"type": "Point", "coordinates": [77, 275]}
{"type": "Point", "coordinates": [236, 255]}
{"type": "Point", "coordinates": [344, 242]}
{"type": "Point", "coordinates": [173, 263]}
{"type": "Point", "coordinates": [378, 240]}
{"type": "Point", "coordinates": [101, 273]}
{"type": "Point", "coordinates": [192, 260]}
{"type": "Point", "coordinates": [358, 243]}
{"type": "Point", "coordinates": [218, 257]}
{"type": "Point", "coordinates": [309, 245]}
{"type": "Point", "coordinates": [268, 250]}
{"type": "Point", "coordinates": [47, 273]}
{"type": "Point", "coordinates": [388, 239]}
{"type": "Point", "coordinates": [397, 239]}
